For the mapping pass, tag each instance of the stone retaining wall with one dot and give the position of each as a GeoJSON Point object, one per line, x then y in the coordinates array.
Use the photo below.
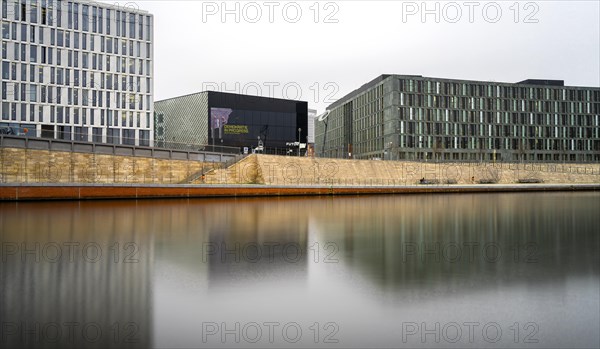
{"type": "Point", "coordinates": [280, 170]}
{"type": "Point", "coordinates": [44, 166]}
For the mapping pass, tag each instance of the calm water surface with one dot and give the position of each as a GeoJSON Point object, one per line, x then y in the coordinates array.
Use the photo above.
{"type": "Point", "coordinates": [497, 270]}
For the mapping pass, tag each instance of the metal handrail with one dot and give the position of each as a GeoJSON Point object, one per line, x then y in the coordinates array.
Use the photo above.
{"type": "Point", "coordinates": [41, 143]}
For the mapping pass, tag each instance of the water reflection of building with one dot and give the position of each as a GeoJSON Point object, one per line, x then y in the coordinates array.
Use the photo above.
{"type": "Point", "coordinates": [424, 245]}
{"type": "Point", "coordinates": [85, 280]}
{"type": "Point", "coordinates": [265, 241]}
{"type": "Point", "coordinates": [189, 237]}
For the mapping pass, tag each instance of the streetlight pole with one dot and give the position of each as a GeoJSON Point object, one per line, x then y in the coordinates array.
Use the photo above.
{"type": "Point", "coordinates": [299, 130]}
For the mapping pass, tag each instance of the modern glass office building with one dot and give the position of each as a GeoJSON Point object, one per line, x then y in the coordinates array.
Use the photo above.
{"type": "Point", "coordinates": [402, 117]}
{"type": "Point", "coordinates": [77, 70]}
{"type": "Point", "coordinates": [211, 119]}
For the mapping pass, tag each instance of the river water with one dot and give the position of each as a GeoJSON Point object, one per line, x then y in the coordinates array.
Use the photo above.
{"type": "Point", "coordinates": [435, 271]}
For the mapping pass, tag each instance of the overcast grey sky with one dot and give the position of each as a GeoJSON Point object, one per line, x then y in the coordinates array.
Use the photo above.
{"type": "Point", "coordinates": [273, 50]}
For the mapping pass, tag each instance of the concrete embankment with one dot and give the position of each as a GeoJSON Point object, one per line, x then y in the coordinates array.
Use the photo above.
{"type": "Point", "coordinates": [18, 165]}
{"type": "Point", "coordinates": [282, 170]}
{"type": "Point", "coordinates": [53, 175]}
{"type": "Point", "coordinates": [22, 166]}
{"type": "Point", "coordinates": [27, 192]}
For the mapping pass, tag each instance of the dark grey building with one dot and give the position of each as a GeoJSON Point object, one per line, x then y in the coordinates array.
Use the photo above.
{"type": "Point", "coordinates": [213, 120]}
{"type": "Point", "coordinates": [405, 117]}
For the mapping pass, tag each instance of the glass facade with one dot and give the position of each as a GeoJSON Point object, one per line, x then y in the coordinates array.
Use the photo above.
{"type": "Point", "coordinates": [69, 65]}
{"type": "Point", "coordinates": [275, 121]}
{"type": "Point", "coordinates": [416, 118]}
{"type": "Point", "coordinates": [242, 127]}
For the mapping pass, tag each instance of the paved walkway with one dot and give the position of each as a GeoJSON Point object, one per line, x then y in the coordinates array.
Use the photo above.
{"type": "Point", "coordinates": [24, 192]}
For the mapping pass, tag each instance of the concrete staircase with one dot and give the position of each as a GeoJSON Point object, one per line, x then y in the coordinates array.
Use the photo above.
{"type": "Point", "coordinates": [244, 171]}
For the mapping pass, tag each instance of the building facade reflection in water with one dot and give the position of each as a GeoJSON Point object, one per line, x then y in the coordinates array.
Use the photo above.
{"type": "Point", "coordinates": [370, 271]}
{"type": "Point", "coordinates": [75, 275]}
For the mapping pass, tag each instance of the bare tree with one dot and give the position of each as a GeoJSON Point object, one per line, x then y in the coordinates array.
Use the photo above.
{"type": "Point", "coordinates": [438, 148]}
{"type": "Point", "coordinates": [506, 155]}
{"type": "Point", "coordinates": [480, 148]}
{"type": "Point", "coordinates": [522, 150]}
{"type": "Point", "coordinates": [563, 151]}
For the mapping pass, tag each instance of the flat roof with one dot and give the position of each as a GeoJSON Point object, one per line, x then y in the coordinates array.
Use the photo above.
{"type": "Point", "coordinates": [228, 93]}
{"type": "Point", "coordinates": [127, 6]}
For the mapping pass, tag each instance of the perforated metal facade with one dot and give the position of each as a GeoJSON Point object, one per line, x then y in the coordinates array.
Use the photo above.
{"type": "Point", "coordinates": [182, 122]}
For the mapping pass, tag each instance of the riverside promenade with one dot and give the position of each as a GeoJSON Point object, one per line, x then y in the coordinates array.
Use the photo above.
{"type": "Point", "coordinates": [34, 174]}
{"type": "Point", "coordinates": [26, 192]}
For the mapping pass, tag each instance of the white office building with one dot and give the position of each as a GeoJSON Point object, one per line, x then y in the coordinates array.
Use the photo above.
{"type": "Point", "coordinates": [77, 70]}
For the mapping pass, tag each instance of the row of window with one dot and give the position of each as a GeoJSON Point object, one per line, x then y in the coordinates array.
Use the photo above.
{"type": "Point", "coordinates": [100, 135]}
{"type": "Point", "coordinates": [464, 116]}
{"type": "Point", "coordinates": [368, 146]}
{"type": "Point", "coordinates": [500, 118]}
{"type": "Point", "coordinates": [449, 143]}
{"type": "Point", "coordinates": [84, 17]}
{"type": "Point", "coordinates": [54, 94]}
{"type": "Point", "coordinates": [440, 144]}
{"type": "Point", "coordinates": [438, 106]}
{"type": "Point", "coordinates": [370, 96]}
{"type": "Point", "coordinates": [437, 129]}
{"type": "Point", "coordinates": [76, 97]}
{"type": "Point", "coordinates": [496, 104]}
{"type": "Point", "coordinates": [370, 139]}
{"type": "Point", "coordinates": [574, 140]}
{"type": "Point", "coordinates": [492, 90]}
{"type": "Point", "coordinates": [75, 40]}
{"type": "Point", "coordinates": [112, 135]}
{"type": "Point", "coordinates": [76, 59]}
{"type": "Point", "coordinates": [74, 116]}
{"type": "Point", "coordinates": [75, 77]}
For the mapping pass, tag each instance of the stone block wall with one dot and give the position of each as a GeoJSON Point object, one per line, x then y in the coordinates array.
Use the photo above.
{"type": "Point", "coordinates": [279, 170]}
{"type": "Point", "coordinates": [44, 166]}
